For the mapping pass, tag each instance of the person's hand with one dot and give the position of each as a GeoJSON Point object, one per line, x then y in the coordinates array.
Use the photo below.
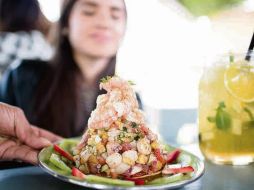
{"type": "Point", "coordinates": [20, 140]}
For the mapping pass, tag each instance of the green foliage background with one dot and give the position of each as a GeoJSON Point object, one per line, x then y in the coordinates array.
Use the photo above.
{"type": "Point", "coordinates": [208, 7]}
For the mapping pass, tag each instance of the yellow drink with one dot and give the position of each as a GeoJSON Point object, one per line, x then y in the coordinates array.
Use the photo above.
{"type": "Point", "coordinates": [226, 112]}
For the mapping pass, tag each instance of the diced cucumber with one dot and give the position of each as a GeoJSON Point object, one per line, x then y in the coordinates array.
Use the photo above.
{"type": "Point", "coordinates": [84, 168]}
{"type": "Point", "coordinates": [57, 169]}
{"type": "Point", "coordinates": [166, 180]}
{"type": "Point", "coordinates": [56, 160]}
{"type": "Point", "coordinates": [167, 147]}
{"type": "Point", "coordinates": [237, 127]}
{"type": "Point", "coordinates": [237, 107]}
{"type": "Point", "coordinates": [64, 159]}
{"type": "Point", "coordinates": [68, 145]}
{"type": "Point", "coordinates": [104, 168]}
{"type": "Point", "coordinates": [110, 181]}
{"type": "Point", "coordinates": [184, 160]}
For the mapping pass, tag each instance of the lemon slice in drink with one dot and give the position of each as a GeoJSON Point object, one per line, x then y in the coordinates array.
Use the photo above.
{"type": "Point", "coordinates": [239, 81]}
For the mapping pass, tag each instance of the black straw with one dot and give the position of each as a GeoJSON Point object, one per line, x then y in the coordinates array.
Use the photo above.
{"type": "Point", "coordinates": [250, 49]}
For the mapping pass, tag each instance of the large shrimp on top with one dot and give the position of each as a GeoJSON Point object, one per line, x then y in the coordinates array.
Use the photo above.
{"type": "Point", "coordinates": [120, 101]}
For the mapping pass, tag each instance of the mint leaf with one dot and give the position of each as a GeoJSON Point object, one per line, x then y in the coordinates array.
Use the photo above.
{"type": "Point", "coordinates": [211, 119]}
{"type": "Point", "coordinates": [249, 123]}
{"type": "Point", "coordinates": [221, 106]}
{"type": "Point", "coordinates": [134, 125]}
{"type": "Point", "coordinates": [247, 110]}
{"type": "Point", "coordinates": [222, 119]}
{"type": "Point", "coordinates": [136, 138]}
{"type": "Point", "coordinates": [231, 58]}
{"type": "Point", "coordinates": [105, 79]}
{"type": "Point", "coordinates": [131, 82]}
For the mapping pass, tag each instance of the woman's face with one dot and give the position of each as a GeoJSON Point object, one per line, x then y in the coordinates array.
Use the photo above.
{"type": "Point", "coordinates": [96, 27]}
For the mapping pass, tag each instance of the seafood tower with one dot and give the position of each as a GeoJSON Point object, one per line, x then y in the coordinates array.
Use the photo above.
{"type": "Point", "coordinates": [118, 142]}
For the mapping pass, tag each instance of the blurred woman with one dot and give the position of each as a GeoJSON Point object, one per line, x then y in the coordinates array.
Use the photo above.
{"type": "Point", "coordinates": [60, 94]}
{"type": "Point", "coordinates": [22, 32]}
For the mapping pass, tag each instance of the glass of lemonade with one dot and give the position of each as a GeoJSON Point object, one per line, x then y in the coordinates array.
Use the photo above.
{"type": "Point", "coordinates": [226, 110]}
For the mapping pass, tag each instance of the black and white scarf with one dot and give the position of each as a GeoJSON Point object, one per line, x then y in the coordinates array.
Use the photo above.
{"type": "Point", "coordinates": [22, 45]}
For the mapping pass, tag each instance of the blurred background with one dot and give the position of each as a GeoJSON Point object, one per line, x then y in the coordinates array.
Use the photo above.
{"type": "Point", "coordinates": [167, 41]}
{"type": "Point", "coordinates": [165, 50]}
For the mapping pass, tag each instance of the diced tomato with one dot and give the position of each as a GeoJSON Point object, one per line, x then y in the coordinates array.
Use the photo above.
{"type": "Point", "coordinates": [114, 175]}
{"type": "Point", "coordinates": [155, 166]}
{"type": "Point", "coordinates": [139, 174]}
{"type": "Point", "coordinates": [159, 155]}
{"type": "Point", "coordinates": [114, 126]}
{"type": "Point", "coordinates": [186, 169]}
{"type": "Point", "coordinates": [145, 168]}
{"type": "Point", "coordinates": [171, 157]}
{"type": "Point", "coordinates": [126, 146]}
{"type": "Point", "coordinates": [63, 153]}
{"type": "Point", "coordinates": [144, 129]}
{"type": "Point", "coordinates": [127, 173]}
{"type": "Point", "coordinates": [77, 173]}
{"type": "Point", "coordinates": [136, 181]}
{"type": "Point", "coordinates": [93, 168]}
{"type": "Point", "coordinates": [101, 160]}
{"type": "Point", "coordinates": [104, 141]}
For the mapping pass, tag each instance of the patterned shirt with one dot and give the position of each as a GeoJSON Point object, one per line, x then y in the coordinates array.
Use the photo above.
{"type": "Point", "coordinates": [22, 45]}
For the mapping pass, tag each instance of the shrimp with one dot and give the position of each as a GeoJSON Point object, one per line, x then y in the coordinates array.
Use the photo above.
{"type": "Point", "coordinates": [102, 99]}
{"type": "Point", "coordinates": [121, 109]}
{"type": "Point", "coordinates": [152, 136]}
{"type": "Point", "coordinates": [112, 134]}
{"type": "Point", "coordinates": [136, 169]}
{"type": "Point", "coordinates": [114, 82]}
{"type": "Point", "coordinates": [122, 168]}
{"type": "Point", "coordinates": [85, 156]}
{"type": "Point", "coordinates": [84, 140]}
{"type": "Point", "coordinates": [103, 119]}
{"type": "Point", "coordinates": [119, 101]}
{"type": "Point", "coordinates": [130, 157]}
{"type": "Point", "coordinates": [143, 146]}
{"type": "Point", "coordinates": [152, 158]}
{"type": "Point", "coordinates": [113, 147]}
{"type": "Point", "coordinates": [136, 116]}
{"type": "Point", "coordinates": [114, 160]}
{"type": "Point", "coordinates": [133, 145]}
{"type": "Point", "coordinates": [115, 95]}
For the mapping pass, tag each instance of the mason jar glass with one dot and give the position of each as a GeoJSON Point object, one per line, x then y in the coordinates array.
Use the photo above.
{"type": "Point", "coordinates": [226, 110]}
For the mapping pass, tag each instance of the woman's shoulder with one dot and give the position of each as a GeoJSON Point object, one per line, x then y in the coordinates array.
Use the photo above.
{"type": "Point", "coordinates": [23, 75]}
{"type": "Point", "coordinates": [19, 82]}
{"type": "Point", "coordinates": [26, 68]}
{"type": "Point", "coordinates": [28, 63]}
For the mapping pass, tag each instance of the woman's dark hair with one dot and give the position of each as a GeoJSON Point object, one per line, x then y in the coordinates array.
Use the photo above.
{"type": "Point", "coordinates": [58, 98]}
{"type": "Point", "coordinates": [22, 15]}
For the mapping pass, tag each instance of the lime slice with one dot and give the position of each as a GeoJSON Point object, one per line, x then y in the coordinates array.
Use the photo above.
{"type": "Point", "coordinates": [239, 81]}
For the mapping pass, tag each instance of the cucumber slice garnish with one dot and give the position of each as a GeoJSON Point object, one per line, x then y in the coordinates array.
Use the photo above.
{"type": "Point", "coordinates": [56, 160]}
{"type": "Point", "coordinates": [166, 180]}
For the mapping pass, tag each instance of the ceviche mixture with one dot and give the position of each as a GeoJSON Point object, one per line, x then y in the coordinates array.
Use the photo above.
{"type": "Point", "coordinates": [118, 143]}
